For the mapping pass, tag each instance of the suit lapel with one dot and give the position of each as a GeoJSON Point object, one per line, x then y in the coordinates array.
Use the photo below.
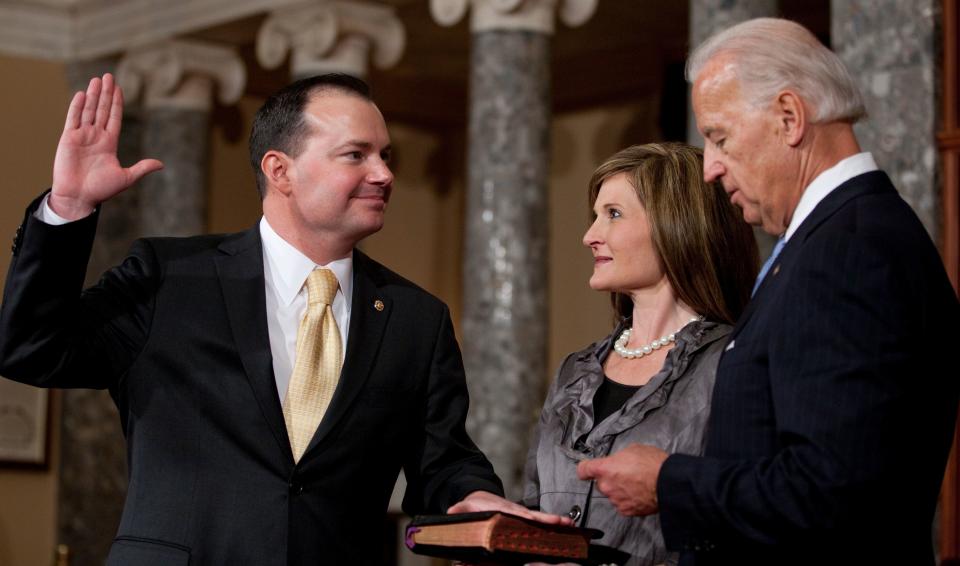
{"type": "Point", "coordinates": [240, 269]}
{"type": "Point", "coordinates": [874, 181]}
{"type": "Point", "coordinates": [368, 320]}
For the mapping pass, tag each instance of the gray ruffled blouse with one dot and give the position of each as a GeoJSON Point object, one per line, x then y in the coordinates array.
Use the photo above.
{"type": "Point", "coordinates": [670, 411]}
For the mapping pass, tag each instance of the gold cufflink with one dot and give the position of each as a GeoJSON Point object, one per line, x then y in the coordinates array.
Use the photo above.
{"type": "Point", "coordinates": [378, 304]}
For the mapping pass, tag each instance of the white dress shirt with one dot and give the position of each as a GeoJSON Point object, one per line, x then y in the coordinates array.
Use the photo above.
{"type": "Point", "coordinates": [825, 183]}
{"type": "Point", "coordinates": [285, 271]}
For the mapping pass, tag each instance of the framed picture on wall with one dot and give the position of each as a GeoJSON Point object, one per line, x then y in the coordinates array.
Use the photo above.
{"type": "Point", "coordinates": [23, 424]}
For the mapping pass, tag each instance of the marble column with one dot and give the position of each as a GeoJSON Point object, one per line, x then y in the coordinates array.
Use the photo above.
{"type": "Point", "coordinates": [176, 80]}
{"type": "Point", "coordinates": [93, 469]}
{"type": "Point", "coordinates": [708, 17]}
{"type": "Point", "coordinates": [891, 49]}
{"type": "Point", "coordinates": [338, 36]}
{"type": "Point", "coordinates": [505, 324]}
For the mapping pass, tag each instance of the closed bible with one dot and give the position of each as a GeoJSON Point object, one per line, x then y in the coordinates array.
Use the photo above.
{"type": "Point", "coordinates": [492, 537]}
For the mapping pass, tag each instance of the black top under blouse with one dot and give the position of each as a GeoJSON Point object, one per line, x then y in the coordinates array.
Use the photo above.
{"type": "Point", "coordinates": [610, 397]}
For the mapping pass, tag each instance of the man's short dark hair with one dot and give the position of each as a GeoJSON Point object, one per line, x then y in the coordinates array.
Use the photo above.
{"type": "Point", "coordinates": [280, 123]}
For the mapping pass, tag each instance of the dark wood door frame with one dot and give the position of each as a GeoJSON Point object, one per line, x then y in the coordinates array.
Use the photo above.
{"type": "Point", "coordinates": [948, 142]}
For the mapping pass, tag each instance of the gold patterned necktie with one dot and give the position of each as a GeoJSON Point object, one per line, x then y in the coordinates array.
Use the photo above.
{"type": "Point", "coordinates": [317, 366]}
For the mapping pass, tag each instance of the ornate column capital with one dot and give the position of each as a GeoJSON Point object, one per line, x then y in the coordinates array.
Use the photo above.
{"type": "Point", "coordinates": [529, 15]}
{"type": "Point", "coordinates": [334, 36]}
{"type": "Point", "coordinates": [182, 74]}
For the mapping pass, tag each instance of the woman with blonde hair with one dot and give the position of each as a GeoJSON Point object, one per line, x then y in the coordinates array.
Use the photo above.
{"type": "Point", "coordinates": [679, 263]}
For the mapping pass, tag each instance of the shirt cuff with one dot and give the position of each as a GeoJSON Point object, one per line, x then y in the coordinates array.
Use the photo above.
{"type": "Point", "coordinates": [46, 214]}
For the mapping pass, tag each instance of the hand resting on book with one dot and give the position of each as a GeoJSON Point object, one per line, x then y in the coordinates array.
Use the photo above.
{"type": "Point", "coordinates": [486, 501]}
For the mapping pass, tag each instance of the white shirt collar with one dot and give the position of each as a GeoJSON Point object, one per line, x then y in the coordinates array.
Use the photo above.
{"type": "Point", "coordinates": [289, 267]}
{"type": "Point", "coordinates": [825, 183]}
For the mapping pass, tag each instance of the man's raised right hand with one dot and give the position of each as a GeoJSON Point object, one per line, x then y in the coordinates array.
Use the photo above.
{"type": "Point", "coordinates": [86, 170]}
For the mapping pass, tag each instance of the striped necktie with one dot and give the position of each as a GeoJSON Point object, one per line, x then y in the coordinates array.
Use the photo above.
{"type": "Point", "coordinates": [767, 264]}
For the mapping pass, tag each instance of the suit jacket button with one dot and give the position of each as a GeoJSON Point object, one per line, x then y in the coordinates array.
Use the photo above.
{"type": "Point", "coordinates": [296, 488]}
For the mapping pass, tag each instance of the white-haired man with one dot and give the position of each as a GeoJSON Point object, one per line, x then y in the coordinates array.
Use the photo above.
{"type": "Point", "coordinates": [832, 416]}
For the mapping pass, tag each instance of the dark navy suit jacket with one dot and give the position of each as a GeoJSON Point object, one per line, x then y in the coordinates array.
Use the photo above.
{"type": "Point", "coordinates": [178, 334]}
{"type": "Point", "coordinates": [835, 402]}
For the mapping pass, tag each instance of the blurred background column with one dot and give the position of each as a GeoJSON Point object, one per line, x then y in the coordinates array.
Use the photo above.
{"type": "Point", "coordinates": [891, 49]}
{"type": "Point", "coordinates": [335, 37]}
{"type": "Point", "coordinates": [708, 17]}
{"type": "Point", "coordinates": [176, 80]}
{"type": "Point", "coordinates": [505, 324]}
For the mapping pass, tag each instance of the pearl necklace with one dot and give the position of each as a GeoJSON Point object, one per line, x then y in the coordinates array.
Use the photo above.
{"type": "Point", "coordinates": [620, 346]}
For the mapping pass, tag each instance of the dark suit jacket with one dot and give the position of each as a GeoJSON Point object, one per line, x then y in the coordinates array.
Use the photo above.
{"type": "Point", "coordinates": [834, 404]}
{"type": "Point", "coordinates": [178, 334]}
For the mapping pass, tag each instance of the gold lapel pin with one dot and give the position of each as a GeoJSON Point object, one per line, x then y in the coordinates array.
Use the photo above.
{"type": "Point", "coordinates": [378, 304]}
{"type": "Point", "coordinates": [776, 269]}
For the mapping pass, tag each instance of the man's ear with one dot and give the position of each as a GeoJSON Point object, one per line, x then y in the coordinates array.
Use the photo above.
{"type": "Point", "coordinates": [791, 116]}
{"type": "Point", "coordinates": [275, 166]}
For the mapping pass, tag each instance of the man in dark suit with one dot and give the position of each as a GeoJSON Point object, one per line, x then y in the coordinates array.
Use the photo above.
{"type": "Point", "coordinates": [197, 341]}
{"type": "Point", "coordinates": [832, 413]}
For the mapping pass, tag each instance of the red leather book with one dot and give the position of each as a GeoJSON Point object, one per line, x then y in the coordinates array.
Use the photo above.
{"type": "Point", "coordinates": [492, 537]}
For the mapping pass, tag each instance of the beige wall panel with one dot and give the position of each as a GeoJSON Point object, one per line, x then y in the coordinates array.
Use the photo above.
{"type": "Point", "coordinates": [409, 240]}
{"type": "Point", "coordinates": [34, 101]}
{"type": "Point", "coordinates": [423, 236]}
{"type": "Point", "coordinates": [233, 202]}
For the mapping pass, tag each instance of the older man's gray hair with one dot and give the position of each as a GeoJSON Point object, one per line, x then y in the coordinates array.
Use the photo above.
{"type": "Point", "coordinates": [771, 55]}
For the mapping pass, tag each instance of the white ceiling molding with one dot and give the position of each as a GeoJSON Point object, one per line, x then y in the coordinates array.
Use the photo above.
{"type": "Point", "coordinates": [338, 36]}
{"type": "Point", "coordinates": [179, 73]}
{"type": "Point", "coordinates": [76, 30]}
{"type": "Point", "coordinates": [529, 15]}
